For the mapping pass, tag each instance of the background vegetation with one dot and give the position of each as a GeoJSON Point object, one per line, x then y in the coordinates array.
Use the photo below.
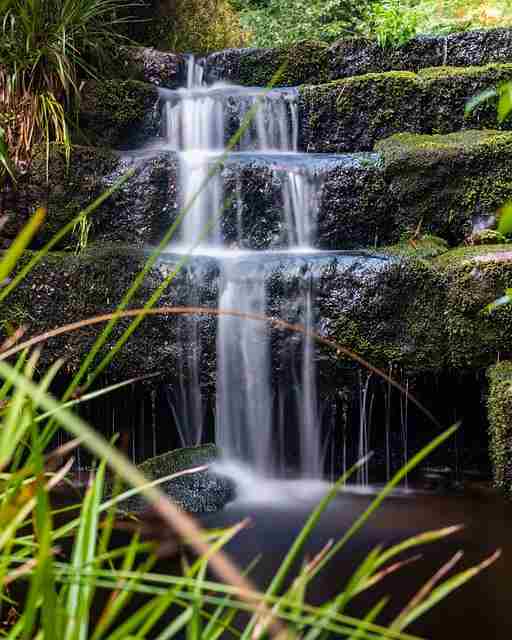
{"type": "Point", "coordinates": [392, 22]}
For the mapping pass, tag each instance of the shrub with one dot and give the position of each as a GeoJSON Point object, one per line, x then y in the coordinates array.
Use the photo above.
{"type": "Point", "coordinates": [194, 26]}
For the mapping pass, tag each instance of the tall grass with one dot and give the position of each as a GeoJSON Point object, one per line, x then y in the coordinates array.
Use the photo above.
{"type": "Point", "coordinates": [60, 590]}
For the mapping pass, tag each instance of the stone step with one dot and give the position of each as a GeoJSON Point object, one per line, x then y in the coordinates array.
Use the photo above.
{"type": "Point", "coordinates": [342, 116]}
{"type": "Point", "coordinates": [355, 113]}
{"type": "Point", "coordinates": [442, 185]}
{"type": "Point", "coordinates": [314, 63]}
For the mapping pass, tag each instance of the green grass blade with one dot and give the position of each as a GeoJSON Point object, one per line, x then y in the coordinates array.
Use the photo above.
{"type": "Point", "coordinates": [20, 243]}
{"type": "Point", "coordinates": [384, 493]}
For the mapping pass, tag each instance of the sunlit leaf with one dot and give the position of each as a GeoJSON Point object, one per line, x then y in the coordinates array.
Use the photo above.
{"type": "Point", "coordinates": [505, 219]}
{"type": "Point", "coordinates": [505, 101]}
{"type": "Point", "coordinates": [21, 242]}
{"type": "Point", "coordinates": [479, 99]}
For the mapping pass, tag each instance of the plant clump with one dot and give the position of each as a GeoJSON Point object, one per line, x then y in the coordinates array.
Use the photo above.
{"type": "Point", "coordinates": [46, 48]}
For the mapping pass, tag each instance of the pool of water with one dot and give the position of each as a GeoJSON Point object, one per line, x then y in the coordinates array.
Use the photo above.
{"type": "Point", "coordinates": [480, 609]}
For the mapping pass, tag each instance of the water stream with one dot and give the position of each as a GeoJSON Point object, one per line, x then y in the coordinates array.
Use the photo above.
{"type": "Point", "coordinates": [198, 123]}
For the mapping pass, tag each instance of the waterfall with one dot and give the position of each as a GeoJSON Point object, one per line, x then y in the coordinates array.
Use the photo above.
{"type": "Point", "coordinates": [244, 399]}
{"type": "Point", "coordinates": [198, 122]}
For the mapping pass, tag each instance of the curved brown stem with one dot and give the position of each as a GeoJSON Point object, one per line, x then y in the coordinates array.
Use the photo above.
{"type": "Point", "coordinates": [177, 311]}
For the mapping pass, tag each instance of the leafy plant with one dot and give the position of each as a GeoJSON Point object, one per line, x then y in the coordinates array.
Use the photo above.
{"type": "Point", "coordinates": [461, 15]}
{"type": "Point", "coordinates": [45, 50]}
{"type": "Point", "coordinates": [392, 22]}
{"type": "Point", "coordinates": [192, 26]}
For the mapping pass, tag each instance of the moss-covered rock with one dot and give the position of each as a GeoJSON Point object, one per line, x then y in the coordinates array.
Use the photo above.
{"type": "Point", "coordinates": [487, 236]}
{"type": "Point", "coordinates": [443, 184]}
{"type": "Point", "coordinates": [396, 317]}
{"type": "Point", "coordinates": [417, 246]}
{"type": "Point", "coordinates": [202, 491]}
{"type": "Point", "coordinates": [315, 62]}
{"type": "Point", "coordinates": [423, 314]}
{"type": "Point", "coordinates": [118, 113]}
{"type": "Point", "coordinates": [473, 278]}
{"type": "Point", "coordinates": [65, 288]}
{"type": "Point", "coordinates": [354, 113]}
{"type": "Point", "coordinates": [300, 63]}
{"type": "Point", "coordinates": [138, 213]}
{"type": "Point", "coordinates": [499, 406]}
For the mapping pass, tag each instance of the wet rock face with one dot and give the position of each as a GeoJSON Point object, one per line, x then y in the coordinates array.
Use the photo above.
{"type": "Point", "coordinates": [138, 213]}
{"type": "Point", "coordinates": [288, 67]}
{"type": "Point", "coordinates": [415, 184]}
{"type": "Point", "coordinates": [64, 288]}
{"type": "Point", "coordinates": [358, 57]}
{"type": "Point", "coordinates": [426, 315]}
{"type": "Point", "coordinates": [353, 114]}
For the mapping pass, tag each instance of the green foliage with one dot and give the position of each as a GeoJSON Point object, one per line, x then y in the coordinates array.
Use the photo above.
{"type": "Point", "coordinates": [45, 50]}
{"type": "Point", "coordinates": [443, 17]}
{"type": "Point", "coordinates": [282, 22]}
{"type": "Point", "coordinates": [392, 22]}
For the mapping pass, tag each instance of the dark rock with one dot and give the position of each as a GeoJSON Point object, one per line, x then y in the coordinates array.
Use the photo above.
{"type": "Point", "coordinates": [313, 63]}
{"type": "Point", "coordinates": [64, 288]}
{"type": "Point", "coordinates": [423, 315]}
{"type": "Point", "coordinates": [416, 185]}
{"type": "Point", "coordinates": [299, 63]}
{"type": "Point", "coordinates": [354, 57]}
{"type": "Point", "coordinates": [138, 213]}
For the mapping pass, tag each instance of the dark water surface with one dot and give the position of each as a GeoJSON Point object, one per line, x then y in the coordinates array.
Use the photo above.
{"type": "Point", "coordinates": [480, 610]}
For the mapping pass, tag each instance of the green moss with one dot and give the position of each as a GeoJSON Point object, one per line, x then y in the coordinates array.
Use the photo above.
{"type": "Point", "coordinates": [424, 247]}
{"type": "Point", "coordinates": [442, 182]}
{"type": "Point", "coordinates": [499, 409]}
{"type": "Point", "coordinates": [178, 460]}
{"type": "Point", "coordinates": [488, 236]}
{"type": "Point", "coordinates": [114, 112]}
{"type": "Point", "coordinates": [498, 71]}
{"type": "Point", "coordinates": [67, 190]}
{"type": "Point", "coordinates": [473, 278]}
{"type": "Point", "coordinates": [396, 318]}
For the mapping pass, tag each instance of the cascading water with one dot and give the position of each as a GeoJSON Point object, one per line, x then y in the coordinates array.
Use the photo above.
{"type": "Point", "coordinates": [198, 124]}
